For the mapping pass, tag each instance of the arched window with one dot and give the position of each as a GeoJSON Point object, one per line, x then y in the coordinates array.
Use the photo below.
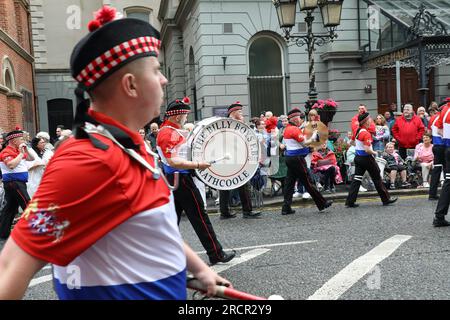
{"type": "Point", "coordinates": [266, 76]}
{"type": "Point", "coordinates": [8, 74]}
{"type": "Point", "coordinates": [141, 13]}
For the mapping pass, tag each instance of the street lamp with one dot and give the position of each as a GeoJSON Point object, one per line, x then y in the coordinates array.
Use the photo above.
{"type": "Point", "coordinates": [330, 10]}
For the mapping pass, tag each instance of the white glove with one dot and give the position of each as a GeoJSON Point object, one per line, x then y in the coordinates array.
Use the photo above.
{"type": "Point", "coordinates": [314, 137]}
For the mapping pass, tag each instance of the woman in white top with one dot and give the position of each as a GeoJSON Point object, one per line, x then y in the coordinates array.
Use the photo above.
{"type": "Point", "coordinates": [36, 168]}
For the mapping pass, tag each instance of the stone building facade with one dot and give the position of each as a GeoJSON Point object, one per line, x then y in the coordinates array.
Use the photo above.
{"type": "Point", "coordinates": [17, 107]}
{"type": "Point", "coordinates": [57, 27]}
{"type": "Point", "coordinates": [221, 51]}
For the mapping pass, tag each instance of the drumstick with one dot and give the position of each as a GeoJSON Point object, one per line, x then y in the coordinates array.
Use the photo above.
{"type": "Point", "coordinates": [226, 157]}
{"type": "Point", "coordinates": [222, 291]}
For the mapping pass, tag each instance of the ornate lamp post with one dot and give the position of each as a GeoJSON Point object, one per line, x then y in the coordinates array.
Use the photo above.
{"type": "Point", "coordinates": [331, 15]}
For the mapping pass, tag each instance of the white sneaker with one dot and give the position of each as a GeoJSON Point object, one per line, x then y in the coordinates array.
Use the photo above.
{"type": "Point", "coordinates": [306, 195]}
{"type": "Point", "coordinates": [297, 195]}
{"type": "Point", "coordinates": [426, 185]}
{"type": "Point", "coordinates": [362, 189]}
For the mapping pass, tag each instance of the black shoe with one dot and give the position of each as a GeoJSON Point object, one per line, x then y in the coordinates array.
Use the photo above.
{"type": "Point", "coordinates": [352, 205]}
{"type": "Point", "coordinates": [251, 215]}
{"type": "Point", "coordinates": [440, 222]}
{"type": "Point", "coordinates": [327, 205]}
{"type": "Point", "coordinates": [391, 200]}
{"type": "Point", "coordinates": [224, 258]}
{"type": "Point", "coordinates": [433, 198]}
{"type": "Point", "coordinates": [287, 212]}
{"type": "Point", "coordinates": [227, 216]}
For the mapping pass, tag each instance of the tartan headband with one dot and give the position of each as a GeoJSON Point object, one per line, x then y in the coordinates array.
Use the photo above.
{"type": "Point", "coordinates": [116, 56]}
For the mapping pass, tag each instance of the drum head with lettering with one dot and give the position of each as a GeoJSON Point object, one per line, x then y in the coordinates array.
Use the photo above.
{"type": "Point", "coordinates": [234, 146]}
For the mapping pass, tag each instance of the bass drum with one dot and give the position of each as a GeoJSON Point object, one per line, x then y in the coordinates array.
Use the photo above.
{"type": "Point", "coordinates": [231, 146]}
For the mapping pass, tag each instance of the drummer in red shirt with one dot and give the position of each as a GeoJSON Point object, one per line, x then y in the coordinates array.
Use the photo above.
{"type": "Point", "coordinates": [296, 151]}
{"type": "Point", "coordinates": [173, 148]}
{"type": "Point", "coordinates": [355, 123]}
{"type": "Point", "coordinates": [439, 155]}
{"type": "Point", "coordinates": [443, 125]}
{"type": "Point", "coordinates": [364, 161]}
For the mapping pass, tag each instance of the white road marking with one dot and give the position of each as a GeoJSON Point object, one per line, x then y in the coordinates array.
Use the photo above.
{"type": "Point", "coordinates": [269, 245]}
{"type": "Point", "coordinates": [237, 260]}
{"type": "Point", "coordinates": [40, 280]}
{"type": "Point", "coordinates": [348, 276]}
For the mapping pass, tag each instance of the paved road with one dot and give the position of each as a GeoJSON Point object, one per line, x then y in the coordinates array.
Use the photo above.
{"type": "Point", "coordinates": [372, 252]}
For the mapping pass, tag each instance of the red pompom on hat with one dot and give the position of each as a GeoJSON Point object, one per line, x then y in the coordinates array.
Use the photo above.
{"type": "Point", "coordinates": [101, 17]}
{"type": "Point", "coordinates": [105, 14]}
{"type": "Point", "coordinates": [94, 25]}
{"type": "Point", "coordinates": [271, 123]}
{"type": "Point", "coordinates": [186, 100]}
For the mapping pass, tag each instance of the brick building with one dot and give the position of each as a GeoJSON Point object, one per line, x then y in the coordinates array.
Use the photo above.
{"type": "Point", "coordinates": [17, 107]}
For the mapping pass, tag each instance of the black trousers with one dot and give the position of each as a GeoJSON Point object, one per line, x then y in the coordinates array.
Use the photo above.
{"type": "Point", "coordinates": [15, 195]}
{"type": "Point", "coordinates": [403, 152]}
{"type": "Point", "coordinates": [438, 166]}
{"type": "Point", "coordinates": [244, 195]}
{"type": "Point", "coordinates": [297, 170]}
{"type": "Point", "coordinates": [188, 198]}
{"type": "Point", "coordinates": [363, 164]}
{"type": "Point", "coordinates": [444, 199]}
{"type": "Point", "coordinates": [329, 176]}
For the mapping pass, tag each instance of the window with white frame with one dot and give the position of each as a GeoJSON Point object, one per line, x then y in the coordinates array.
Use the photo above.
{"type": "Point", "coordinates": [8, 74]}
{"type": "Point", "coordinates": [141, 13]}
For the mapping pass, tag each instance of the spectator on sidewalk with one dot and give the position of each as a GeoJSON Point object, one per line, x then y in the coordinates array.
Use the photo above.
{"type": "Point", "coordinates": [382, 134]}
{"type": "Point", "coordinates": [390, 120]}
{"type": "Point", "coordinates": [324, 162]}
{"type": "Point", "coordinates": [395, 164]}
{"type": "Point", "coordinates": [423, 155]}
{"type": "Point", "coordinates": [422, 114]}
{"type": "Point", "coordinates": [36, 168]}
{"type": "Point", "coordinates": [407, 130]}
{"type": "Point", "coordinates": [152, 136]}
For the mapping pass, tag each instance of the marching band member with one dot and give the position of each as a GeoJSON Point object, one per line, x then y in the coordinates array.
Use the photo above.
{"type": "Point", "coordinates": [103, 215]}
{"type": "Point", "coordinates": [295, 153]}
{"type": "Point", "coordinates": [173, 149]}
{"type": "Point", "coordinates": [15, 177]}
{"type": "Point", "coordinates": [235, 112]}
{"type": "Point", "coordinates": [439, 156]}
{"type": "Point", "coordinates": [443, 125]}
{"type": "Point", "coordinates": [364, 161]}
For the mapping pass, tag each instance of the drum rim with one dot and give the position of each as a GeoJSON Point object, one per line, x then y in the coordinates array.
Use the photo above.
{"type": "Point", "coordinates": [194, 138]}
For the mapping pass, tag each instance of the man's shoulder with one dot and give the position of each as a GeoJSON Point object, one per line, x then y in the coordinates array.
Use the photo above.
{"type": "Point", "coordinates": [84, 149]}
{"type": "Point", "coordinates": [9, 151]}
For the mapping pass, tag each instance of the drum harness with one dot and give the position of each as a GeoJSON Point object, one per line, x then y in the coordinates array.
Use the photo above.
{"type": "Point", "coordinates": [102, 129]}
